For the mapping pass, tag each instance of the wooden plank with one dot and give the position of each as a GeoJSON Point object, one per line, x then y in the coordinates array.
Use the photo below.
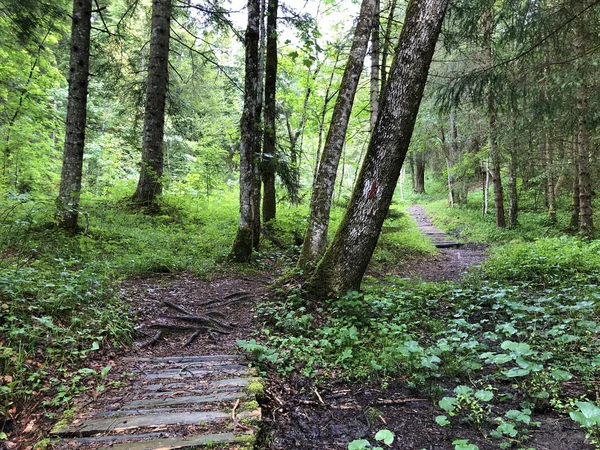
{"type": "Point", "coordinates": [191, 387]}
{"type": "Point", "coordinates": [118, 438]}
{"type": "Point", "coordinates": [118, 425]}
{"type": "Point", "coordinates": [213, 358]}
{"type": "Point", "coordinates": [173, 401]}
{"type": "Point", "coordinates": [181, 442]}
{"type": "Point", "coordinates": [191, 372]}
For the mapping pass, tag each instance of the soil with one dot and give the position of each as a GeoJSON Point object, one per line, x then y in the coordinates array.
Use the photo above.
{"type": "Point", "coordinates": [296, 415]}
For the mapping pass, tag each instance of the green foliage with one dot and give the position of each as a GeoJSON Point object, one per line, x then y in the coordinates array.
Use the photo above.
{"type": "Point", "coordinates": [384, 436]}
{"type": "Point", "coordinates": [588, 417]}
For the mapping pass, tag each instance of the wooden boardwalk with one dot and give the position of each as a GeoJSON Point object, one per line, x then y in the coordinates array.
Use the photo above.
{"type": "Point", "coordinates": [438, 237]}
{"type": "Point", "coordinates": [174, 403]}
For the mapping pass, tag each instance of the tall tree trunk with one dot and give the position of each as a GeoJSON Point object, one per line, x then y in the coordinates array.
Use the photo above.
{"type": "Point", "coordinates": [70, 181]}
{"type": "Point", "coordinates": [250, 139]}
{"type": "Point", "coordinates": [413, 180]}
{"type": "Point", "coordinates": [420, 173]}
{"type": "Point", "coordinates": [574, 221]}
{"type": "Point", "coordinates": [387, 43]}
{"type": "Point", "coordinates": [494, 151]}
{"type": "Point", "coordinates": [513, 208]}
{"type": "Point", "coordinates": [269, 206]}
{"type": "Point", "coordinates": [151, 172]}
{"type": "Point", "coordinates": [550, 185]}
{"type": "Point", "coordinates": [257, 179]}
{"type": "Point", "coordinates": [453, 196]}
{"type": "Point", "coordinates": [583, 144]}
{"type": "Point", "coordinates": [315, 240]}
{"type": "Point", "coordinates": [346, 260]}
{"type": "Point", "coordinates": [375, 53]}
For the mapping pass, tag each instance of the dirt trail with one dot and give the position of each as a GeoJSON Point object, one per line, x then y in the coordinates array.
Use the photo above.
{"type": "Point", "coordinates": [448, 263]}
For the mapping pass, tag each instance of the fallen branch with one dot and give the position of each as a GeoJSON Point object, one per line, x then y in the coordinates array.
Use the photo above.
{"type": "Point", "coordinates": [209, 301]}
{"type": "Point", "coordinates": [202, 320]}
{"type": "Point", "coordinates": [236, 294]}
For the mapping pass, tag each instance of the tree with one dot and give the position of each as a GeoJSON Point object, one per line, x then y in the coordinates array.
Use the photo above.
{"type": "Point", "coordinates": [315, 240]}
{"type": "Point", "coordinates": [151, 171]}
{"type": "Point", "coordinates": [250, 135]}
{"type": "Point", "coordinates": [70, 184]}
{"type": "Point", "coordinates": [269, 205]}
{"type": "Point", "coordinates": [346, 260]}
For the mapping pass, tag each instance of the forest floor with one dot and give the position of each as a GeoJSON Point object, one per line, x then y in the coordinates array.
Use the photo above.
{"type": "Point", "coordinates": [297, 414]}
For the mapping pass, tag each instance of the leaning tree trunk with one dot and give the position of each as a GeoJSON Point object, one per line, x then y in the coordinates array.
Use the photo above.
{"type": "Point", "coordinates": [269, 205]}
{"type": "Point", "coordinates": [346, 260]}
{"type": "Point", "coordinates": [315, 240]}
{"type": "Point", "coordinates": [375, 68]}
{"type": "Point", "coordinates": [151, 172]}
{"type": "Point", "coordinates": [387, 44]}
{"type": "Point", "coordinates": [250, 139]}
{"type": "Point", "coordinates": [70, 182]}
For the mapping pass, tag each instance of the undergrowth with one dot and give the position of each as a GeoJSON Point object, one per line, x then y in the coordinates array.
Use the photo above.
{"type": "Point", "coordinates": [515, 338]}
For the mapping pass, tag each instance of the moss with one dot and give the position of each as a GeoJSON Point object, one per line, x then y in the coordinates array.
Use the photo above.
{"type": "Point", "coordinates": [250, 406]}
{"type": "Point", "coordinates": [67, 417]}
{"type": "Point", "coordinates": [255, 388]}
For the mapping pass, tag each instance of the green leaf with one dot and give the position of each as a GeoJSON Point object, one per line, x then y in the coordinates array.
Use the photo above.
{"type": "Point", "coordinates": [516, 372]}
{"type": "Point", "coordinates": [448, 404]}
{"type": "Point", "coordinates": [508, 429]}
{"type": "Point", "coordinates": [105, 371]}
{"type": "Point", "coordinates": [463, 444]}
{"type": "Point", "coordinates": [484, 395]}
{"type": "Point", "coordinates": [442, 420]}
{"type": "Point", "coordinates": [386, 436]}
{"type": "Point", "coordinates": [361, 444]}
{"type": "Point", "coordinates": [561, 375]}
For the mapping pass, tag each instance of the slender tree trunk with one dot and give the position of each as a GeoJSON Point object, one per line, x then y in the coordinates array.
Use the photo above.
{"type": "Point", "coordinates": [513, 209]}
{"type": "Point", "coordinates": [451, 161]}
{"type": "Point", "coordinates": [486, 187]}
{"type": "Point", "coordinates": [387, 43]}
{"type": "Point", "coordinates": [413, 179]}
{"type": "Point", "coordinates": [269, 206]}
{"type": "Point", "coordinates": [328, 97]}
{"type": "Point", "coordinates": [420, 173]}
{"type": "Point", "coordinates": [250, 139]}
{"type": "Point", "coordinates": [315, 240]}
{"type": "Point", "coordinates": [70, 181]}
{"type": "Point", "coordinates": [257, 189]}
{"type": "Point", "coordinates": [375, 53]}
{"type": "Point", "coordinates": [494, 151]}
{"type": "Point", "coordinates": [550, 195]}
{"type": "Point", "coordinates": [574, 221]}
{"type": "Point", "coordinates": [151, 172]}
{"type": "Point", "coordinates": [346, 260]}
{"type": "Point", "coordinates": [583, 144]}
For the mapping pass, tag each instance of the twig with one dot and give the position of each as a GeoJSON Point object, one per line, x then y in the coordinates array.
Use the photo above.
{"type": "Point", "coordinates": [209, 301]}
{"type": "Point", "coordinates": [236, 294]}
{"type": "Point", "coordinates": [398, 401]}
{"type": "Point", "coordinates": [237, 402]}
{"type": "Point", "coordinates": [318, 395]}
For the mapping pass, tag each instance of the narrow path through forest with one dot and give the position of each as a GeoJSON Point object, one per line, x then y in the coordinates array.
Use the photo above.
{"type": "Point", "coordinates": [187, 387]}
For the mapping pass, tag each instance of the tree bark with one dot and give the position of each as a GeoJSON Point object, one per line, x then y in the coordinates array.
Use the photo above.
{"type": "Point", "coordinates": [387, 44]}
{"type": "Point", "coordinates": [583, 144]}
{"type": "Point", "coordinates": [269, 206]}
{"type": "Point", "coordinates": [151, 172]}
{"type": "Point", "coordinates": [70, 182]}
{"type": "Point", "coordinates": [375, 54]}
{"type": "Point", "coordinates": [494, 151]}
{"type": "Point", "coordinates": [419, 173]}
{"type": "Point", "coordinates": [574, 221]}
{"type": "Point", "coordinates": [250, 139]}
{"type": "Point", "coordinates": [513, 208]}
{"type": "Point", "coordinates": [315, 240]}
{"type": "Point", "coordinates": [453, 195]}
{"type": "Point", "coordinates": [550, 185]}
{"type": "Point", "coordinates": [346, 260]}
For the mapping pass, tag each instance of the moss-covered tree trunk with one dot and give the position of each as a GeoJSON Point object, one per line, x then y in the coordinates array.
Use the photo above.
{"type": "Point", "coordinates": [315, 240]}
{"type": "Point", "coordinates": [151, 170]}
{"type": "Point", "coordinates": [250, 144]}
{"type": "Point", "coordinates": [269, 205]}
{"type": "Point", "coordinates": [346, 260]}
{"type": "Point", "coordinates": [70, 181]}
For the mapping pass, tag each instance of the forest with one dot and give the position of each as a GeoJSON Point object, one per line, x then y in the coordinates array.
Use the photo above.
{"type": "Point", "coordinates": [317, 224]}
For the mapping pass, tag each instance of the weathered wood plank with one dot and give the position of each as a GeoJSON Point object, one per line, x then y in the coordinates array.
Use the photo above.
{"type": "Point", "coordinates": [121, 424]}
{"type": "Point", "coordinates": [182, 442]}
{"type": "Point", "coordinates": [189, 400]}
{"type": "Point", "coordinates": [176, 359]}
